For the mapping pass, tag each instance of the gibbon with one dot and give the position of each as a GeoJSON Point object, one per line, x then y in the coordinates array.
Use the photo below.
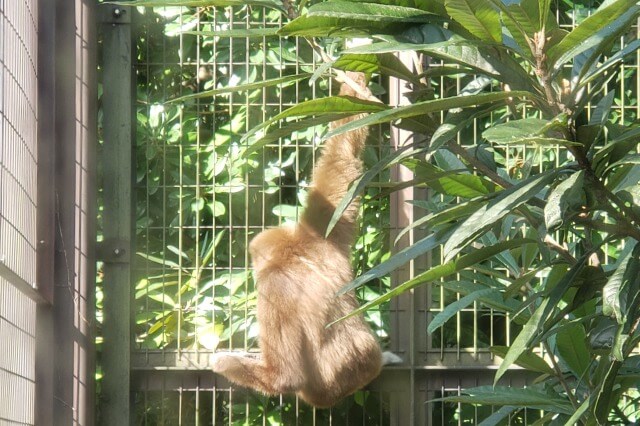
{"type": "Point", "coordinates": [298, 273]}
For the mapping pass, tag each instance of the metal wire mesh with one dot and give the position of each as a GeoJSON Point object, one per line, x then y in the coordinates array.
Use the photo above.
{"type": "Point", "coordinates": [17, 356]}
{"type": "Point", "coordinates": [18, 100]}
{"type": "Point", "coordinates": [200, 203]}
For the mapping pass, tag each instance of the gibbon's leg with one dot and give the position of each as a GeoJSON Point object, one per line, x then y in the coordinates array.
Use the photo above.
{"type": "Point", "coordinates": [338, 166]}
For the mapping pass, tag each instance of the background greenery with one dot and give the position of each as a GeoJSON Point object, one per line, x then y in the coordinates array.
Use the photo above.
{"type": "Point", "coordinates": [527, 116]}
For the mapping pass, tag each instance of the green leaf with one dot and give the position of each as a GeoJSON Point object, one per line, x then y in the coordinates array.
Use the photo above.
{"type": "Point", "coordinates": [274, 4]}
{"type": "Point", "coordinates": [240, 33]}
{"type": "Point", "coordinates": [531, 397]}
{"type": "Point", "coordinates": [565, 198]}
{"type": "Point", "coordinates": [571, 343]}
{"type": "Point", "coordinates": [574, 419]}
{"type": "Point", "coordinates": [506, 202]}
{"type": "Point", "coordinates": [458, 305]}
{"type": "Point", "coordinates": [616, 149]}
{"type": "Point", "coordinates": [604, 401]}
{"type": "Point", "coordinates": [493, 60]}
{"type": "Point", "coordinates": [588, 34]}
{"type": "Point", "coordinates": [457, 120]}
{"type": "Point", "coordinates": [346, 18]}
{"type": "Point", "coordinates": [627, 159]}
{"type": "Point", "coordinates": [241, 88]}
{"type": "Point", "coordinates": [609, 64]}
{"type": "Point", "coordinates": [325, 106]}
{"type": "Point", "coordinates": [275, 133]}
{"type": "Point", "coordinates": [498, 416]}
{"type": "Point", "coordinates": [500, 302]}
{"type": "Point", "coordinates": [394, 262]}
{"type": "Point", "coordinates": [526, 360]}
{"type": "Point", "coordinates": [525, 131]}
{"type": "Point", "coordinates": [425, 107]}
{"type": "Point", "coordinates": [521, 342]}
{"type": "Point", "coordinates": [453, 183]}
{"type": "Point", "coordinates": [438, 272]}
{"type": "Point", "coordinates": [359, 184]}
{"type": "Point", "coordinates": [383, 63]}
{"type": "Point", "coordinates": [452, 213]}
{"type": "Point", "coordinates": [622, 286]}
{"type": "Point", "coordinates": [478, 17]}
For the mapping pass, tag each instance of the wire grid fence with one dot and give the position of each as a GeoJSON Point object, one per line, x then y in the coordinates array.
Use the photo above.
{"type": "Point", "coordinates": [200, 203]}
{"type": "Point", "coordinates": [18, 165]}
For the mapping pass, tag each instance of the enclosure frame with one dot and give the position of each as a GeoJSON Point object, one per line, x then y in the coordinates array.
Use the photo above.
{"type": "Point", "coordinates": [65, 199]}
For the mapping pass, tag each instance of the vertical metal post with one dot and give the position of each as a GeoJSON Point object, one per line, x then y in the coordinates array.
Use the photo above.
{"type": "Point", "coordinates": [118, 177]}
{"type": "Point", "coordinates": [45, 271]}
{"type": "Point", "coordinates": [408, 307]}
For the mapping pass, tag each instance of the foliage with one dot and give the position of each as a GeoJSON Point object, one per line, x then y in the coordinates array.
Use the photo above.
{"type": "Point", "coordinates": [540, 218]}
{"type": "Point", "coordinates": [205, 76]}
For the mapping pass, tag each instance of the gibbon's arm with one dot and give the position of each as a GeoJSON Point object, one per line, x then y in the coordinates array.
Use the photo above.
{"type": "Point", "coordinates": [338, 166]}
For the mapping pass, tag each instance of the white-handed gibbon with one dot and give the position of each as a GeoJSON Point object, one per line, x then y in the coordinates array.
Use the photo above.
{"type": "Point", "coordinates": [298, 273]}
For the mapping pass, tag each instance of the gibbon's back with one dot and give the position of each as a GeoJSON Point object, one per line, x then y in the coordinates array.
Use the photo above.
{"type": "Point", "coordinates": [298, 273]}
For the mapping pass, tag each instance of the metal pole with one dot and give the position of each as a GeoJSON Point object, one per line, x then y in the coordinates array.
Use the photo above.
{"type": "Point", "coordinates": [118, 210]}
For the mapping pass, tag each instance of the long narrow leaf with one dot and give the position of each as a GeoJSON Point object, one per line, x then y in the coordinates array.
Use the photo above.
{"type": "Point", "coordinates": [200, 3]}
{"type": "Point", "coordinates": [478, 17]}
{"type": "Point", "coordinates": [405, 255]}
{"type": "Point", "coordinates": [527, 360]}
{"type": "Point", "coordinates": [324, 106]}
{"type": "Point", "coordinates": [438, 272]}
{"type": "Point", "coordinates": [571, 343]}
{"type": "Point", "coordinates": [426, 107]}
{"type": "Point", "coordinates": [521, 342]}
{"type": "Point", "coordinates": [453, 308]}
{"type": "Point", "coordinates": [437, 218]}
{"type": "Point", "coordinates": [589, 32]}
{"type": "Point", "coordinates": [506, 395]}
{"type": "Point", "coordinates": [508, 200]}
{"type": "Point", "coordinates": [240, 33]}
{"type": "Point", "coordinates": [384, 63]}
{"type": "Point", "coordinates": [242, 88]}
{"type": "Point", "coordinates": [346, 18]}
{"type": "Point", "coordinates": [358, 185]}
{"type": "Point", "coordinates": [621, 285]}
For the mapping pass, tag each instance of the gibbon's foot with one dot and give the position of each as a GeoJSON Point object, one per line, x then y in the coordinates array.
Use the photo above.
{"type": "Point", "coordinates": [223, 361]}
{"type": "Point", "coordinates": [389, 358]}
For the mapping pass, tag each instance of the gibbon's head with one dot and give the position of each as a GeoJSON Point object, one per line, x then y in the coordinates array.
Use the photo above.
{"type": "Point", "coordinates": [272, 245]}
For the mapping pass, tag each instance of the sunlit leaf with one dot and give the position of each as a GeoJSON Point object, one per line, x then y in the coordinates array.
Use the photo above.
{"type": "Point", "coordinates": [329, 106]}
{"type": "Point", "coordinates": [593, 30]}
{"type": "Point", "coordinates": [478, 17]}
{"type": "Point", "coordinates": [227, 90]}
{"type": "Point", "coordinates": [426, 107]}
{"type": "Point", "coordinates": [274, 4]}
{"type": "Point", "coordinates": [384, 63]}
{"type": "Point", "coordinates": [346, 18]}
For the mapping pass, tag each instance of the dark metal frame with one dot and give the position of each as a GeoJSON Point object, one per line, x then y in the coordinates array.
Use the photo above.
{"type": "Point", "coordinates": [67, 126]}
{"type": "Point", "coordinates": [116, 249]}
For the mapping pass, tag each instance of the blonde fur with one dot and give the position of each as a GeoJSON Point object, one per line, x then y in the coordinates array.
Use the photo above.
{"type": "Point", "coordinates": [298, 273]}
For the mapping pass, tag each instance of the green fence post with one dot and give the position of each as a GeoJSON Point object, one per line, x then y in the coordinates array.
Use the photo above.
{"type": "Point", "coordinates": [116, 249]}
